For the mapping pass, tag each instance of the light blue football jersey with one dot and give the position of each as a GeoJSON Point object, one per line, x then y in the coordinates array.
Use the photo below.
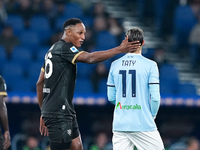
{"type": "Point", "coordinates": [131, 76]}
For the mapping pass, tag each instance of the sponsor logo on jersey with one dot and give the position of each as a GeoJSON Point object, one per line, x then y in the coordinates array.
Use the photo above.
{"type": "Point", "coordinates": [46, 90]}
{"type": "Point", "coordinates": [73, 49]}
{"type": "Point", "coordinates": [69, 132]}
{"type": "Point", "coordinates": [120, 106]}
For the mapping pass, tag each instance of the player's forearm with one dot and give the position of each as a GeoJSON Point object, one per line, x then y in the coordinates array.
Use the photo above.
{"type": "Point", "coordinates": [39, 87]}
{"type": "Point", "coordinates": [111, 92]}
{"type": "Point", "coordinates": [40, 93]}
{"type": "Point", "coordinates": [100, 56]}
{"type": "Point", "coordinates": [154, 107]}
{"type": "Point", "coordinates": [39, 96]}
{"type": "Point", "coordinates": [4, 117]}
{"type": "Point", "coordinates": [124, 47]}
{"type": "Point", "coordinates": [155, 99]}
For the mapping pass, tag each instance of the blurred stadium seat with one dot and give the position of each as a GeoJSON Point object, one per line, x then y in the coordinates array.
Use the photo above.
{"type": "Point", "coordinates": [159, 8]}
{"type": "Point", "coordinates": [17, 23]}
{"type": "Point", "coordinates": [33, 73]}
{"type": "Point", "coordinates": [12, 70]}
{"type": "Point", "coordinates": [21, 85]}
{"type": "Point", "coordinates": [140, 8]}
{"type": "Point", "coordinates": [187, 89]}
{"type": "Point", "coordinates": [169, 80]}
{"type": "Point", "coordinates": [87, 20]}
{"type": "Point", "coordinates": [84, 70]}
{"type": "Point", "coordinates": [184, 20]}
{"type": "Point", "coordinates": [73, 10]}
{"type": "Point", "coordinates": [59, 22]}
{"type": "Point", "coordinates": [29, 38]}
{"type": "Point", "coordinates": [148, 52]}
{"type": "Point", "coordinates": [40, 54]}
{"type": "Point", "coordinates": [103, 86]}
{"type": "Point", "coordinates": [23, 56]}
{"type": "Point", "coordinates": [83, 86]}
{"type": "Point", "coordinates": [105, 40]}
{"type": "Point", "coordinates": [40, 25]}
{"type": "Point", "coordinates": [2, 57]}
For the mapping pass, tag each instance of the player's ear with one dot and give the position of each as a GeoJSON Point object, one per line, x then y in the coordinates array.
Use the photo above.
{"type": "Point", "coordinates": [68, 32]}
{"type": "Point", "coordinates": [143, 42]}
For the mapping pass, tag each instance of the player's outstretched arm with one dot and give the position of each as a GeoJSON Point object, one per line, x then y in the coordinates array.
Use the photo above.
{"type": "Point", "coordinates": [99, 56]}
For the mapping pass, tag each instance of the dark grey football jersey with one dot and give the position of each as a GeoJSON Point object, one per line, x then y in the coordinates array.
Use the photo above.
{"type": "Point", "coordinates": [59, 83]}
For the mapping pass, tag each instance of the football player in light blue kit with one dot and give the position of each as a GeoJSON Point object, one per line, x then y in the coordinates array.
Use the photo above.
{"type": "Point", "coordinates": [133, 86]}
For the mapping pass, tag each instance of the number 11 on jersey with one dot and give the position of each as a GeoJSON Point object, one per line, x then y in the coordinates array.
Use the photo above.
{"type": "Point", "coordinates": [132, 73]}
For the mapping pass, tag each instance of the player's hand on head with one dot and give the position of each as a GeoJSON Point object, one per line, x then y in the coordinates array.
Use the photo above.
{"type": "Point", "coordinates": [43, 129]}
{"type": "Point", "coordinates": [6, 143]}
{"type": "Point", "coordinates": [127, 46]}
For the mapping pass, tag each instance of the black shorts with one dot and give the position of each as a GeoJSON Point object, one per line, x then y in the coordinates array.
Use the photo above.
{"type": "Point", "coordinates": [1, 141]}
{"type": "Point", "coordinates": [61, 131]}
{"type": "Point", "coordinates": [60, 146]}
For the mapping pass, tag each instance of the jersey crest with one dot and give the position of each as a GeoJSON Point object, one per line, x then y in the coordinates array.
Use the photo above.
{"type": "Point", "coordinates": [73, 49]}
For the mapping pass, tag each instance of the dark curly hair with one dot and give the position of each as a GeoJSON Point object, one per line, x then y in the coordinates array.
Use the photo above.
{"type": "Point", "coordinates": [72, 21]}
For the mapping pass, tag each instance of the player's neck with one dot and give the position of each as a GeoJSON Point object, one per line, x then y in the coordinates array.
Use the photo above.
{"type": "Point", "coordinates": [138, 51]}
{"type": "Point", "coordinates": [65, 38]}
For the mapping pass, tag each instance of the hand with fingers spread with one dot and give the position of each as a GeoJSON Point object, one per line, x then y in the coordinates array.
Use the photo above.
{"type": "Point", "coordinates": [127, 46]}
{"type": "Point", "coordinates": [6, 143]}
{"type": "Point", "coordinates": [43, 129]}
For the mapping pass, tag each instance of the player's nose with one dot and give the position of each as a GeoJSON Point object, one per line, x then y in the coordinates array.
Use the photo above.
{"type": "Point", "coordinates": [83, 36]}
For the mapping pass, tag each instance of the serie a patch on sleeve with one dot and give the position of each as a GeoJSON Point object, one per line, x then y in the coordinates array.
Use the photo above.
{"type": "Point", "coordinates": [73, 49]}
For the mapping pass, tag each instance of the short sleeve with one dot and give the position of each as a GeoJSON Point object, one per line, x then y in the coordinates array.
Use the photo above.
{"type": "Point", "coordinates": [70, 52]}
{"type": "Point", "coordinates": [2, 87]}
{"type": "Point", "coordinates": [110, 81]}
{"type": "Point", "coordinates": [154, 74]}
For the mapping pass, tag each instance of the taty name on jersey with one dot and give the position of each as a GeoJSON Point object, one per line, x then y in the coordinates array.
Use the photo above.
{"type": "Point", "coordinates": [128, 62]}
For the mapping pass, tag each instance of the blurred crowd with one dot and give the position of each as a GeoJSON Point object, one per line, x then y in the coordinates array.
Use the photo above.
{"type": "Point", "coordinates": [176, 21]}
{"type": "Point", "coordinates": [29, 27]}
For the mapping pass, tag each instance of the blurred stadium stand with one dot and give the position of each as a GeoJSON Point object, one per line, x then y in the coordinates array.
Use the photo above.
{"type": "Point", "coordinates": [34, 44]}
{"type": "Point", "coordinates": [179, 82]}
{"type": "Point", "coordinates": [16, 22]}
{"type": "Point", "coordinates": [184, 21]}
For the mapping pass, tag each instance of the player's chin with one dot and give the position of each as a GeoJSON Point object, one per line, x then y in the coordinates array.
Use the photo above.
{"type": "Point", "coordinates": [78, 45]}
